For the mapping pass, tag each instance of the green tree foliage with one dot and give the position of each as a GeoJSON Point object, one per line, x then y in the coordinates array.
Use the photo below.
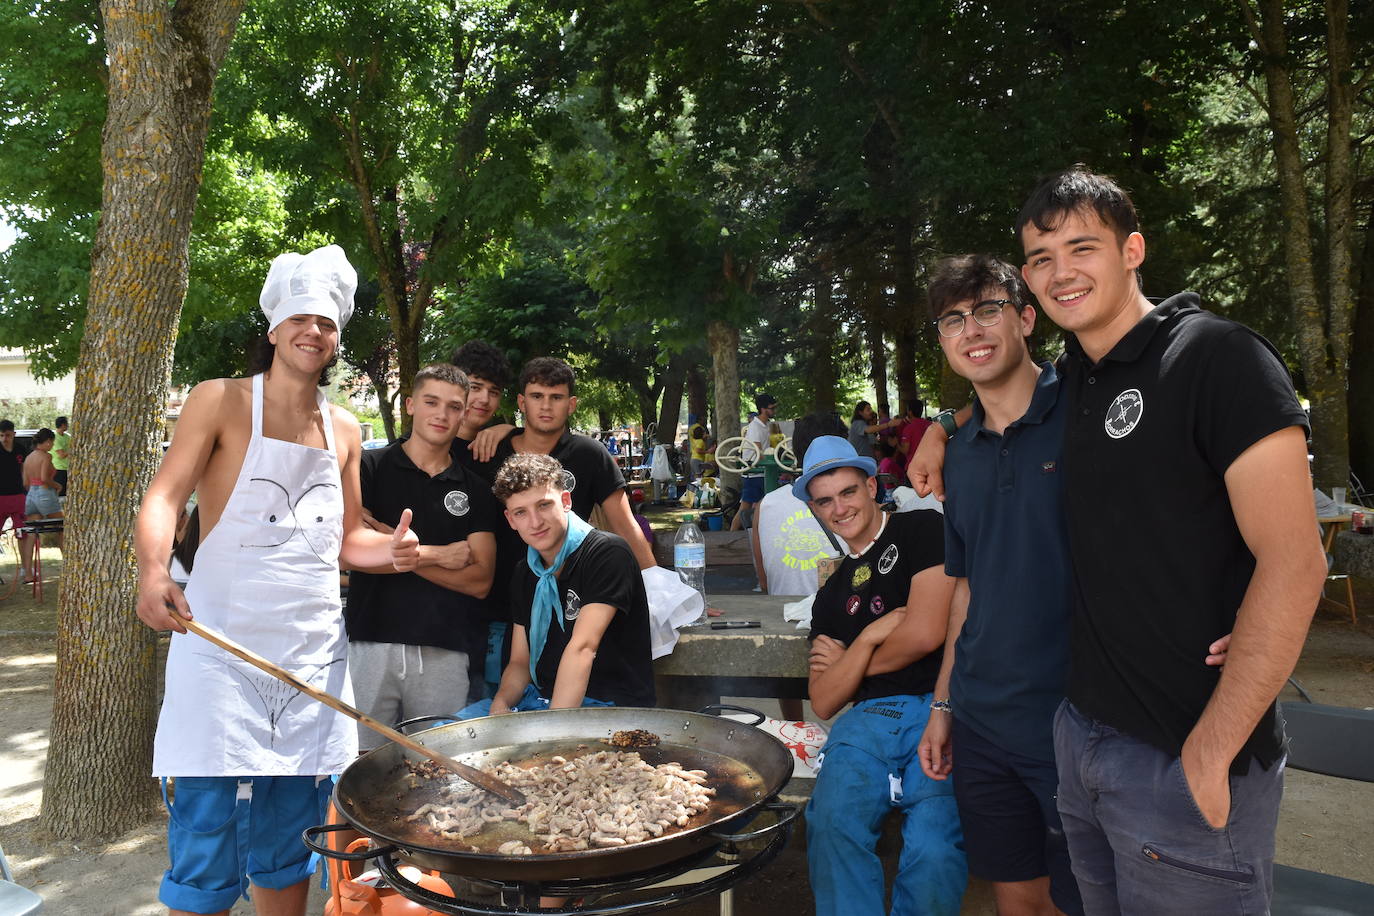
{"type": "Point", "coordinates": [411, 133]}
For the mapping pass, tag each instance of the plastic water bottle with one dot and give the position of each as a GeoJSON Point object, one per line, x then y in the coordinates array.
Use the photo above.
{"type": "Point", "coordinates": [689, 556]}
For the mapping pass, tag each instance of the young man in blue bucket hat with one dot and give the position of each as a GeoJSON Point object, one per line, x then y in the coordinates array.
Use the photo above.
{"type": "Point", "coordinates": [877, 632]}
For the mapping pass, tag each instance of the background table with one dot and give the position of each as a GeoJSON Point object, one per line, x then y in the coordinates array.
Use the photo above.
{"type": "Point", "coordinates": [707, 664]}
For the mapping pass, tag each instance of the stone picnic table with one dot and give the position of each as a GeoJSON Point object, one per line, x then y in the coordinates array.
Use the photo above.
{"type": "Point", "coordinates": [707, 664]}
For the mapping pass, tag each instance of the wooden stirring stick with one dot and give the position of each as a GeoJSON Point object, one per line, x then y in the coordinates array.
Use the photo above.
{"type": "Point", "coordinates": [471, 774]}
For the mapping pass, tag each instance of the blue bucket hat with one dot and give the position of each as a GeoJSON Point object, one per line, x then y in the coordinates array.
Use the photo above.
{"type": "Point", "coordinates": [826, 453]}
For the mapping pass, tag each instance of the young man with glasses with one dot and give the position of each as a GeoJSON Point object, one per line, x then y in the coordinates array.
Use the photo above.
{"type": "Point", "coordinates": [1006, 655]}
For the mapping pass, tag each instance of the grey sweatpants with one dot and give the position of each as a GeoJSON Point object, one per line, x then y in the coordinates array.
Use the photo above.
{"type": "Point", "coordinates": [393, 682]}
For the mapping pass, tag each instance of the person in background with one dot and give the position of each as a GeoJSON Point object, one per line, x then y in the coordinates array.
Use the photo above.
{"type": "Point", "coordinates": [41, 499]}
{"type": "Point", "coordinates": [14, 494]}
{"type": "Point", "coordinates": [864, 427]}
{"type": "Point", "coordinates": [914, 426]}
{"type": "Point", "coordinates": [61, 454]}
{"type": "Point", "coordinates": [751, 481]}
{"type": "Point", "coordinates": [889, 461]}
{"type": "Point", "coordinates": [696, 434]}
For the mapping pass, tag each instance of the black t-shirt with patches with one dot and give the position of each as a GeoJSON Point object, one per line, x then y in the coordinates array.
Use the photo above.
{"type": "Point", "coordinates": [405, 607]}
{"type": "Point", "coordinates": [602, 570]}
{"type": "Point", "coordinates": [864, 589]}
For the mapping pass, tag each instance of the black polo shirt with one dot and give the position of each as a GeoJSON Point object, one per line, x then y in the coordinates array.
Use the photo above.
{"type": "Point", "coordinates": [1159, 563]}
{"type": "Point", "coordinates": [866, 587]}
{"type": "Point", "coordinates": [591, 474]}
{"type": "Point", "coordinates": [602, 570]}
{"type": "Point", "coordinates": [405, 607]}
{"type": "Point", "coordinates": [1004, 532]}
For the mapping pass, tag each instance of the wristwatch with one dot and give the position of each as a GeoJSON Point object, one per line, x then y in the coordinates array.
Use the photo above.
{"type": "Point", "coordinates": [946, 420]}
{"type": "Point", "coordinates": [941, 705]}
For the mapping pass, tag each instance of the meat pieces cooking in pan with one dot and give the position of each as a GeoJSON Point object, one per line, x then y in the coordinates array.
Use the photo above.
{"type": "Point", "coordinates": [604, 799]}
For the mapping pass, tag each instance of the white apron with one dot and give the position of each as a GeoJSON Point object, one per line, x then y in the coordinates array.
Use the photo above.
{"type": "Point", "coordinates": [267, 576]}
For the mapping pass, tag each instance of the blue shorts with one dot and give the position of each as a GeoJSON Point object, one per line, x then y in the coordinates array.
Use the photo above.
{"type": "Point", "coordinates": [42, 501]}
{"type": "Point", "coordinates": [751, 489]}
{"type": "Point", "coordinates": [1011, 826]}
{"type": "Point", "coordinates": [225, 830]}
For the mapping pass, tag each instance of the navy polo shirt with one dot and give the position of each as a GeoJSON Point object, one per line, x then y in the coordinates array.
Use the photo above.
{"type": "Point", "coordinates": [1159, 563]}
{"type": "Point", "coordinates": [1005, 533]}
{"type": "Point", "coordinates": [406, 607]}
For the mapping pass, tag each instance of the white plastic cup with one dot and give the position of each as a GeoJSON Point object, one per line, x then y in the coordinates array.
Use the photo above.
{"type": "Point", "coordinates": [1338, 494]}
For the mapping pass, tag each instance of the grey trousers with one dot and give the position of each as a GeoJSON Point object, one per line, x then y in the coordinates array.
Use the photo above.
{"type": "Point", "coordinates": [1138, 842]}
{"type": "Point", "coordinates": [393, 682]}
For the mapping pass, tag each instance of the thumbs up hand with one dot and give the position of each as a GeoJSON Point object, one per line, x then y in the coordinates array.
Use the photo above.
{"type": "Point", "coordinates": [405, 545]}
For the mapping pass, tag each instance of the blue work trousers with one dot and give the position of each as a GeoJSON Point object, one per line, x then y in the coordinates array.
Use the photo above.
{"type": "Point", "coordinates": [869, 767]}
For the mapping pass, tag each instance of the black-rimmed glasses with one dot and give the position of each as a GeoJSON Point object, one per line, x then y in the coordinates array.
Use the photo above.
{"type": "Point", "coordinates": [987, 313]}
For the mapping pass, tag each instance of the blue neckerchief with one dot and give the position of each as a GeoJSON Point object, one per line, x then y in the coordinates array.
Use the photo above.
{"type": "Point", "coordinates": [546, 605]}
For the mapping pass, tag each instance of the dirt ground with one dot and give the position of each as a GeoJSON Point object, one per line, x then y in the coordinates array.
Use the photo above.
{"type": "Point", "coordinates": [1324, 822]}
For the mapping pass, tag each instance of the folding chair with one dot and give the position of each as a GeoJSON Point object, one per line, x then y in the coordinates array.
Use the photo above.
{"type": "Point", "coordinates": [1334, 741]}
{"type": "Point", "coordinates": [15, 900]}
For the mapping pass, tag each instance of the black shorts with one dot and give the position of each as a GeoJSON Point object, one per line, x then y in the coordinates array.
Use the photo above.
{"type": "Point", "coordinates": [1011, 826]}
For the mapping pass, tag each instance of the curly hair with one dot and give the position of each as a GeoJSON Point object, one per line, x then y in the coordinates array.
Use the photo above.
{"type": "Point", "coordinates": [525, 472]}
{"type": "Point", "coordinates": [481, 360]}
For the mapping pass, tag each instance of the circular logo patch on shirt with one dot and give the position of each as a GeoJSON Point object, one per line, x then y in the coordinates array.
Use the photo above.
{"type": "Point", "coordinates": [1124, 414]}
{"type": "Point", "coordinates": [876, 606]}
{"type": "Point", "coordinates": [572, 605]}
{"type": "Point", "coordinates": [887, 560]}
{"type": "Point", "coordinates": [852, 605]}
{"type": "Point", "coordinates": [569, 480]}
{"type": "Point", "coordinates": [456, 502]}
{"type": "Point", "coordinates": [861, 576]}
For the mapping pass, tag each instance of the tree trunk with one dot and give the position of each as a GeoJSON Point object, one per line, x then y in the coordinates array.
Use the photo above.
{"type": "Point", "coordinates": [1322, 328]}
{"type": "Point", "coordinates": [674, 379]}
{"type": "Point", "coordinates": [955, 390]}
{"type": "Point", "coordinates": [163, 60]}
{"type": "Point", "coordinates": [385, 410]}
{"type": "Point", "coordinates": [1360, 396]}
{"type": "Point", "coordinates": [821, 331]}
{"type": "Point", "coordinates": [696, 395]}
{"type": "Point", "coordinates": [904, 312]}
{"type": "Point", "coordinates": [877, 365]}
{"type": "Point", "coordinates": [723, 340]}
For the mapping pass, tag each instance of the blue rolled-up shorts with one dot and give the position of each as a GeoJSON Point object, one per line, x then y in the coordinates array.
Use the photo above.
{"type": "Point", "coordinates": [225, 831]}
{"type": "Point", "coordinates": [751, 489]}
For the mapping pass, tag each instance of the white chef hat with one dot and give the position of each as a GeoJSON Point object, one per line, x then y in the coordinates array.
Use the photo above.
{"type": "Point", "coordinates": [319, 283]}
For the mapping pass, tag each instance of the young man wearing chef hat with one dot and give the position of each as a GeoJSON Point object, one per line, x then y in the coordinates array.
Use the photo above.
{"type": "Point", "coordinates": [275, 469]}
{"type": "Point", "coordinates": [877, 628]}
